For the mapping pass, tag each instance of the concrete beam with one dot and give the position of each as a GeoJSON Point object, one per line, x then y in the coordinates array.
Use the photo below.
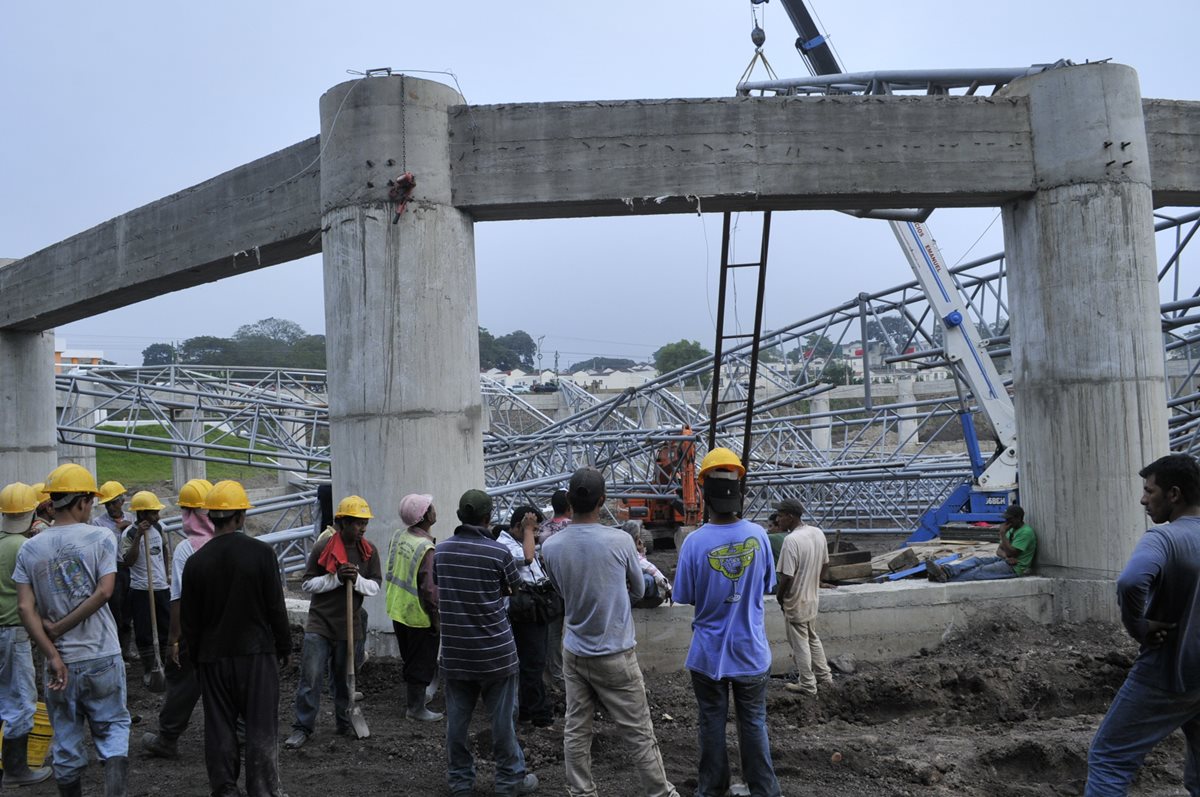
{"type": "Point", "coordinates": [1173, 139]}
{"type": "Point", "coordinates": [257, 215]}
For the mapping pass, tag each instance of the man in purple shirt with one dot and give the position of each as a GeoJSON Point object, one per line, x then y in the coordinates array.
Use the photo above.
{"type": "Point", "coordinates": [1159, 595]}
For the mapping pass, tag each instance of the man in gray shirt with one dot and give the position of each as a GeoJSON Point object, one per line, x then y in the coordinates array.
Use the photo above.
{"type": "Point", "coordinates": [595, 569]}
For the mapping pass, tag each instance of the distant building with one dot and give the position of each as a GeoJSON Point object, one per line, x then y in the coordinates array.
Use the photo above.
{"type": "Point", "coordinates": [66, 360]}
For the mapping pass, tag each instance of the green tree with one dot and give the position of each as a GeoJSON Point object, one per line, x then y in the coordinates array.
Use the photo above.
{"type": "Point", "coordinates": [818, 345]}
{"type": "Point", "coordinates": [278, 329]}
{"type": "Point", "coordinates": [158, 354]}
{"type": "Point", "coordinates": [600, 363]}
{"type": "Point", "coordinates": [678, 354]}
{"type": "Point", "coordinates": [519, 346]}
{"type": "Point", "coordinates": [838, 372]}
{"type": "Point", "coordinates": [208, 350]}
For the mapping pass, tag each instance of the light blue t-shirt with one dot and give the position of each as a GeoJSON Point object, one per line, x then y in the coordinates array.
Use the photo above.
{"type": "Point", "coordinates": [723, 571]}
{"type": "Point", "coordinates": [63, 564]}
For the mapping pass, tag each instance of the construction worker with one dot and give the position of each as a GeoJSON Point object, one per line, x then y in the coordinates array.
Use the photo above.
{"type": "Point", "coordinates": [44, 514]}
{"type": "Point", "coordinates": [117, 520]}
{"type": "Point", "coordinates": [142, 572]}
{"type": "Point", "coordinates": [183, 690]}
{"type": "Point", "coordinates": [18, 687]}
{"type": "Point", "coordinates": [65, 576]}
{"type": "Point", "coordinates": [802, 560]}
{"type": "Point", "coordinates": [343, 560]}
{"type": "Point", "coordinates": [412, 601]}
{"type": "Point", "coordinates": [724, 568]}
{"type": "Point", "coordinates": [235, 630]}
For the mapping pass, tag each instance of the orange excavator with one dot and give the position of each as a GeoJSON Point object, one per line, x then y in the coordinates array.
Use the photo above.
{"type": "Point", "coordinates": [674, 472]}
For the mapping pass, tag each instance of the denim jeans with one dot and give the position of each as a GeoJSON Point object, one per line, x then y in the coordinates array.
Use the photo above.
{"type": "Point", "coordinates": [1140, 717]}
{"type": "Point", "coordinates": [750, 705]}
{"type": "Point", "coordinates": [94, 696]}
{"type": "Point", "coordinates": [500, 699]}
{"type": "Point", "coordinates": [614, 682]}
{"type": "Point", "coordinates": [979, 568]}
{"type": "Point", "coordinates": [318, 657]}
{"type": "Point", "coordinates": [18, 689]}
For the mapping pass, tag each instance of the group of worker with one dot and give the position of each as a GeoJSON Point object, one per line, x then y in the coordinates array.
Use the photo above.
{"type": "Point", "coordinates": [476, 613]}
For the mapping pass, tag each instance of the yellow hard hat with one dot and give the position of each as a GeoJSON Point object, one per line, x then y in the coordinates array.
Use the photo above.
{"type": "Point", "coordinates": [40, 489]}
{"type": "Point", "coordinates": [721, 459]}
{"type": "Point", "coordinates": [71, 478]}
{"type": "Point", "coordinates": [353, 506]}
{"type": "Point", "coordinates": [227, 496]}
{"type": "Point", "coordinates": [192, 494]}
{"type": "Point", "coordinates": [18, 498]}
{"type": "Point", "coordinates": [145, 501]}
{"type": "Point", "coordinates": [109, 491]}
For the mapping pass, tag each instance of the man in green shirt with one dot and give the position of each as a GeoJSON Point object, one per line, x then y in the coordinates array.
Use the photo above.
{"type": "Point", "coordinates": [1014, 556]}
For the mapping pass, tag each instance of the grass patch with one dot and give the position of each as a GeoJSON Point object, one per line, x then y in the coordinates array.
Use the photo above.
{"type": "Point", "coordinates": [139, 467]}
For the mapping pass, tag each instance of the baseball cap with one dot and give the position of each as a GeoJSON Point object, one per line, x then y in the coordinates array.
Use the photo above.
{"type": "Point", "coordinates": [585, 488]}
{"type": "Point", "coordinates": [474, 505]}
{"type": "Point", "coordinates": [723, 491]}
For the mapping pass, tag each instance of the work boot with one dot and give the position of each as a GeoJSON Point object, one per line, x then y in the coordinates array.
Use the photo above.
{"type": "Point", "coordinates": [528, 784]}
{"type": "Point", "coordinates": [72, 788]}
{"type": "Point", "coordinates": [416, 705]}
{"type": "Point", "coordinates": [935, 572]}
{"type": "Point", "coordinates": [116, 772]}
{"type": "Point", "coordinates": [296, 740]}
{"type": "Point", "coordinates": [158, 745]}
{"type": "Point", "coordinates": [15, 758]}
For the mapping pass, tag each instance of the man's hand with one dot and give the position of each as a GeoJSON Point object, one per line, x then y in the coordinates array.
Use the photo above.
{"type": "Point", "coordinates": [122, 524]}
{"type": "Point", "coordinates": [51, 629]}
{"type": "Point", "coordinates": [58, 674]}
{"type": "Point", "coordinates": [173, 654]}
{"type": "Point", "coordinates": [529, 523]}
{"type": "Point", "coordinates": [347, 572]}
{"type": "Point", "coordinates": [1157, 633]}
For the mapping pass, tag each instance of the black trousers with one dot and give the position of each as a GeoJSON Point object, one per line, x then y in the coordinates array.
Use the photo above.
{"type": "Point", "coordinates": [245, 687]}
{"type": "Point", "coordinates": [139, 603]}
{"type": "Point", "coordinates": [532, 704]}
{"type": "Point", "coordinates": [118, 601]}
{"type": "Point", "coordinates": [183, 692]}
{"type": "Point", "coordinates": [418, 651]}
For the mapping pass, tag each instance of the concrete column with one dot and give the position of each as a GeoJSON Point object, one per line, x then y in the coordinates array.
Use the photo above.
{"type": "Point", "coordinates": [80, 414]}
{"type": "Point", "coordinates": [822, 429]}
{"type": "Point", "coordinates": [1087, 345]}
{"type": "Point", "coordinates": [189, 423]}
{"type": "Point", "coordinates": [28, 449]}
{"type": "Point", "coordinates": [405, 409]}
{"type": "Point", "coordinates": [906, 426]}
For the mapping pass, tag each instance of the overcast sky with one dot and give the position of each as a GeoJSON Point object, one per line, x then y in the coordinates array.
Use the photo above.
{"type": "Point", "coordinates": [109, 106]}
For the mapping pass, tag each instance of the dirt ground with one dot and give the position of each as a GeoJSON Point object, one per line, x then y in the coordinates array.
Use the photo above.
{"type": "Point", "coordinates": [1002, 709]}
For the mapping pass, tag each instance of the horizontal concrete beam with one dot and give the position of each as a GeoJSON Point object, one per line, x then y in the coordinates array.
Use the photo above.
{"type": "Point", "coordinates": [1173, 135]}
{"type": "Point", "coordinates": [257, 215]}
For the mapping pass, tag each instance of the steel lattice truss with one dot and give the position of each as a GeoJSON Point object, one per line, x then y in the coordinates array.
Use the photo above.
{"type": "Point", "coordinates": [857, 456]}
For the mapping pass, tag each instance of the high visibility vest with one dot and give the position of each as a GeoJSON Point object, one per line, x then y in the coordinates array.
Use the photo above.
{"type": "Point", "coordinates": [404, 561]}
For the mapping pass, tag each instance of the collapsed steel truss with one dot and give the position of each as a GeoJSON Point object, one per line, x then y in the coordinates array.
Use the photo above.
{"type": "Point", "coordinates": [859, 456]}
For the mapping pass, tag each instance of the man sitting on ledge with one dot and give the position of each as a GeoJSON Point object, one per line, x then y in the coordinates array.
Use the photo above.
{"type": "Point", "coordinates": [1018, 544]}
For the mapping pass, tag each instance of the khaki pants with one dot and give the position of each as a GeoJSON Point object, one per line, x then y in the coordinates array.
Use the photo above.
{"type": "Point", "coordinates": [615, 682]}
{"type": "Point", "coordinates": [809, 655]}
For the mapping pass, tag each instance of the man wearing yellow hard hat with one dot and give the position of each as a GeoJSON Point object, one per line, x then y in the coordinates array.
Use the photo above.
{"type": "Point", "coordinates": [148, 591]}
{"type": "Point", "coordinates": [64, 578]}
{"type": "Point", "coordinates": [18, 687]}
{"type": "Point", "coordinates": [235, 630]}
{"type": "Point", "coordinates": [43, 516]}
{"type": "Point", "coordinates": [112, 516]}
{"type": "Point", "coordinates": [342, 561]}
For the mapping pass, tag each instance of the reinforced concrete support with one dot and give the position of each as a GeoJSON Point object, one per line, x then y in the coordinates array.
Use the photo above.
{"type": "Point", "coordinates": [70, 452]}
{"type": "Point", "coordinates": [822, 431]}
{"type": "Point", "coordinates": [28, 448]}
{"type": "Point", "coordinates": [183, 470]}
{"type": "Point", "coordinates": [907, 425]}
{"type": "Point", "coordinates": [405, 409]}
{"type": "Point", "coordinates": [1087, 351]}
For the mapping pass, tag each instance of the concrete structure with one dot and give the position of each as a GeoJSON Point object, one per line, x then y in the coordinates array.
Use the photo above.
{"type": "Point", "coordinates": [27, 428]}
{"type": "Point", "coordinates": [907, 425]}
{"type": "Point", "coordinates": [72, 452]}
{"type": "Point", "coordinates": [405, 411]}
{"type": "Point", "coordinates": [401, 301]}
{"type": "Point", "coordinates": [1088, 371]}
{"type": "Point", "coordinates": [183, 470]}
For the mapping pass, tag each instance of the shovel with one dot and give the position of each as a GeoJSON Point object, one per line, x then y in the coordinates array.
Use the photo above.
{"type": "Point", "coordinates": [158, 678]}
{"type": "Point", "coordinates": [358, 723]}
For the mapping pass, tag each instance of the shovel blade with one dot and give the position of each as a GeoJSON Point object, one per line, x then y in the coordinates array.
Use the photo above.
{"type": "Point", "coordinates": [358, 723]}
{"type": "Point", "coordinates": [157, 681]}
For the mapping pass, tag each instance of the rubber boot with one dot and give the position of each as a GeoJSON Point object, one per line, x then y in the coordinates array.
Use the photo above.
{"type": "Point", "coordinates": [416, 705]}
{"type": "Point", "coordinates": [15, 757]}
{"type": "Point", "coordinates": [116, 772]}
{"type": "Point", "coordinates": [71, 789]}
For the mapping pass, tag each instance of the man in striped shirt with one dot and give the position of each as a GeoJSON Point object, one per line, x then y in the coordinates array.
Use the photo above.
{"type": "Point", "coordinates": [474, 573]}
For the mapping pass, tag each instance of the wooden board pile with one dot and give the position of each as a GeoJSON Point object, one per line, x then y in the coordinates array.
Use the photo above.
{"type": "Point", "coordinates": [860, 567]}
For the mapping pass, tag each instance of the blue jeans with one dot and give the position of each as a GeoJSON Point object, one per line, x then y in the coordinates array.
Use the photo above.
{"type": "Point", "coordinates": [94, 696]}
{"type": "Point", "coordinates": [318, 657]}
{"type": "Point", "coordinates": [979, 568]}
{"type": "Point", "coordinates": [18, 689]}
{"type": "Point", "coordinates": [500, 700]}
{"type": "Point", "coordinates": [1140, 717]}
{"type": "Point", "coordinates": [750, 705]}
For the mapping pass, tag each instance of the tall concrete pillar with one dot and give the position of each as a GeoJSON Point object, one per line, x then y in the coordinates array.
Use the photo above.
{"type": "Point", "coordinates": [28, 449]}
{"type": "Point", "coordinates": [79, 414]}
{"type": "Point", "coordinates": [190, 423]}
{"type": "Point", "coordinates": [405, 410]}
{"type": "Point", "coordinates": [906, 425]}
{"type": "Point", "coordinates": [1088, 365]}
{"type": "Point", "coordinates": [822, 428]}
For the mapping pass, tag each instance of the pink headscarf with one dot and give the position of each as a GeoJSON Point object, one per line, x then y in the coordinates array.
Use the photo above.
{"type": "Point", "coordinates": [198, 526]}
{"type": "Point", "coordinates": [413, 507]}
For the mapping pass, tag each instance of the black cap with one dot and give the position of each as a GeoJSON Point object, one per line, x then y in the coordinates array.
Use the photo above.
{"type": "Point", "coordinates": [585, 488]}
{"type": "Point", "coordinates": [474, 506]}
{"type": "Point", "coordinates": [724, 495]}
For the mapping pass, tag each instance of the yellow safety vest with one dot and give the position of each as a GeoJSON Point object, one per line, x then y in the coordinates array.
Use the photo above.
{"type": "Point", "coordinates": [404, 561]}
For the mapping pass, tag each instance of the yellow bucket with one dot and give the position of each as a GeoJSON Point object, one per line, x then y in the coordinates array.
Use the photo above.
{"type": "Point", "coordinates": [39, 738]}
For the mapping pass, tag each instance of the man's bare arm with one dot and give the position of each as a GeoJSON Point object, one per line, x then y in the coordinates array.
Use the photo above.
{"type": "Point", "coordinates": [27, 608]}
{"type": "Point", "coordinates": [89, 606]}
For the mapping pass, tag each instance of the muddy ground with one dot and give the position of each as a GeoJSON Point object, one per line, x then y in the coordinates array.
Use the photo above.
{"type": "Point", "coordinates": [1000, 709]}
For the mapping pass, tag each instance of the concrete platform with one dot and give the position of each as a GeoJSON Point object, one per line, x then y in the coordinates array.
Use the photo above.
{"type": "Point", "coordinates": [872, 622]}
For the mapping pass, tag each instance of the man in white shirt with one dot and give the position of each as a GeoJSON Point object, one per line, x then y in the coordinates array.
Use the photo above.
{"type": "Point", "coordinates": [529, 632]}
{"type": "Point", "coordinates": [144, 574]}
{"type": "Point", "coordinates": [802, 560]}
